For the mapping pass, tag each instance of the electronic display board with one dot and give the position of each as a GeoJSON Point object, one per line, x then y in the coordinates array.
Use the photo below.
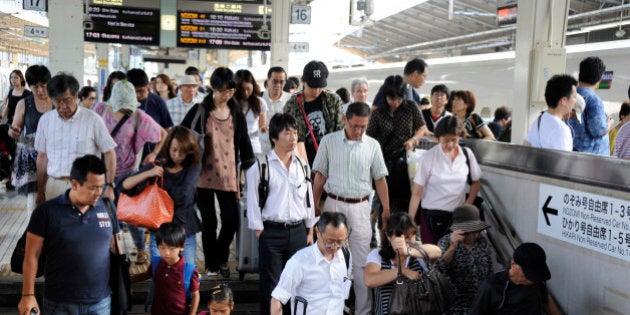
{"type": "Point", "coordinates": [123, 25]}
{"type": "Point", "coordinates": [222, 31]}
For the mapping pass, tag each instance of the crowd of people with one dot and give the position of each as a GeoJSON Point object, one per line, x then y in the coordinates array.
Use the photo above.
{"type": "Point", "coordinates": [312, 160]}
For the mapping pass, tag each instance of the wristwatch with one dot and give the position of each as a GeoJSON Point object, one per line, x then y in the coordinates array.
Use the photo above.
{"type": "Point", "coordinates": [409, 251]}
{"type": "Point", "coordinates": [111, 184]}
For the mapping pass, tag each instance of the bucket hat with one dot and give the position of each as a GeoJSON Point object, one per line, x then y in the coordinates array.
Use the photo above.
{"type": "Point", "coordinates": [466, 218]}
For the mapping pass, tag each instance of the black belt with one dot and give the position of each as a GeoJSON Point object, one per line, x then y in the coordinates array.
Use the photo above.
{"type": "Point", "coordinates": [348, 200]}
{"type": "Point", "coordinates": [282, 225]}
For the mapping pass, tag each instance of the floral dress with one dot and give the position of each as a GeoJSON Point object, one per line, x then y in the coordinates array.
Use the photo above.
{"type": "Point", "coordinates": [25, 164]}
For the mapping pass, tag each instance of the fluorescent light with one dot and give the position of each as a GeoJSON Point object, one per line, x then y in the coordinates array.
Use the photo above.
{"type": "Point", "coordinates": [587, 29]}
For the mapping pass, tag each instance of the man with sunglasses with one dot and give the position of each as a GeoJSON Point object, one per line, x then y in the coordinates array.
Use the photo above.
{"type": "Point", "coordinates": [345, 166]}
{"type": "Point", "coordinates": [317, 278]}
{"type": "Point", "coordinates": [67, 133]}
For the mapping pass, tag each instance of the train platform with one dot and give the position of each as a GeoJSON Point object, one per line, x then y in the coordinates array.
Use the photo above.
{"type": "Point", "coordinates": [14, 219]}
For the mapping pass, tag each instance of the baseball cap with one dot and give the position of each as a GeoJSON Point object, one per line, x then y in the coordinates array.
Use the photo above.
{"type": "Point", "coordinates": [315, 74]}
{"type": "Point", "coordinates": [532, 259]}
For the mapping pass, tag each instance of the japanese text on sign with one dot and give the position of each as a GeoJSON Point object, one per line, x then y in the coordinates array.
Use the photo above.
{"type": "Point", "coordinates": [591, 221]}
{"type": "Point", "coordinates": [224, 31]}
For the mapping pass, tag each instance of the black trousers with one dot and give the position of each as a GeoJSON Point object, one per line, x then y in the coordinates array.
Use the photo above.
{"type": "Point", "coordinates": [216, 250]}
{"type": "Point", "coordinates": [399, 185]}
{"type": "Point", "coordinates": [275, 247]}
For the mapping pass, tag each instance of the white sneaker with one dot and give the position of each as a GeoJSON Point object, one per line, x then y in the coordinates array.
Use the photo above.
{"type": "Point", "coordinates": [211, 273]}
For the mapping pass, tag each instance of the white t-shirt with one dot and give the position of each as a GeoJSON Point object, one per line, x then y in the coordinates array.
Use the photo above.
{"type": "Point", "coordinates": [253, 126]}
{"type": "Point", "coordinates": [274, 108]}
{"type": "Point", "coordinates": [552, 133]}
{"type": "Point", "coordinates": [444, 181]}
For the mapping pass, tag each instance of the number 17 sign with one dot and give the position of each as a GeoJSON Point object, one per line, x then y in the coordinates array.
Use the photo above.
{"type": "Point", "coordinates": [36, 5]}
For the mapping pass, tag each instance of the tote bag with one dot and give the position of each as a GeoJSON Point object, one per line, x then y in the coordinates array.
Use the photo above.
{"type": "Point", "coordinates": [149, 209]}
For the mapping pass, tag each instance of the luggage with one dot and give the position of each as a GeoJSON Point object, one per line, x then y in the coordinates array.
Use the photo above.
{"type": "Point", "coordinates": [246, 241]}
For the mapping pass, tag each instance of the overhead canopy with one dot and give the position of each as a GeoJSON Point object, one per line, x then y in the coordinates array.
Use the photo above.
{"type": "Point", "coordinates": [432, 29]}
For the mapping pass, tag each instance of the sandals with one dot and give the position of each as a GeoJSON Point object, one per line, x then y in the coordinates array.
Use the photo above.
{"type": "Point", "coordinates": [141, 257]}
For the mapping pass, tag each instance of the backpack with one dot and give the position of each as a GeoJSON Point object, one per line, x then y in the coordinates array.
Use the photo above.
{"type": "Point", "coordinates": [189, 268]}
{"type": "Point", "coordinates": [263, 185]}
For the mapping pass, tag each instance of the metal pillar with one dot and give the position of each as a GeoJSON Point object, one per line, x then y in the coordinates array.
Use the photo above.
{"type": "Point", "coordinates": [280, 20]}
{"type": "Point", "coordinates": [168, 23]}
{"type": "Point", "coordinates": [541, 23]}
{"type": "Point", "coordinates": [66, 38]}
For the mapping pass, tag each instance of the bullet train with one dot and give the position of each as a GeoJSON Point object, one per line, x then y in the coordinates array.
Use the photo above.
{"type": "Point", "coordinates": [491, 76]}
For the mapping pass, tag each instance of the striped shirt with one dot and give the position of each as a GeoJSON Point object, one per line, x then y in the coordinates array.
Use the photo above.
{"type": "Point", "coordinates": [349, 166]}
{"type": "Point", "coordinates": [622, 143]}
{"type": "Point", "coordinates": [65, 140]}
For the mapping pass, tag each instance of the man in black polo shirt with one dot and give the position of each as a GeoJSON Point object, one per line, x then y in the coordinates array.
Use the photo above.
{"type": "Point", "coordinates": [75, 231]}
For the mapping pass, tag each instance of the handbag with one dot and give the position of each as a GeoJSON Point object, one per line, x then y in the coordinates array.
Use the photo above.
{"type": "Point", "coordinates": [149, 209]}
{"type": "Point", "coordinates": [17, 258]}
{"type": "Point", "coordinates": [432, 294]}
{"type": "Point", "coordinates": [119, 278]}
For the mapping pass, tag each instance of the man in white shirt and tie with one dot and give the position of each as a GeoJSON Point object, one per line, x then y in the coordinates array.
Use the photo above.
{"type": "Point", "coordinates": [282, 219]}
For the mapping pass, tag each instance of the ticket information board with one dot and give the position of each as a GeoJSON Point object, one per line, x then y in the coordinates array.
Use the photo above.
{"type": "Point", "coordinates": [123, 25]}
{"type": "Point", "coordinates": [591, 221]}
{"type": "Point", "coordinates": [222, 31]}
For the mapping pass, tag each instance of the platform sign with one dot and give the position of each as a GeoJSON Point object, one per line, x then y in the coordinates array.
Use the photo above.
{"type": "Point", "coordinates": [591, 221]}
{"type": "Point", "coordinates": [35, 31]}
{"type": "Point", "coordinates": [300, 14]}
{"type": "Point", "coordinates": [222, 31]}
{"type": "Point", "coordinates": [123, 25]}
{"type": "Point", "coordinates": [299, 46]}
{"type": "Point", "coordinates": [35, 5]}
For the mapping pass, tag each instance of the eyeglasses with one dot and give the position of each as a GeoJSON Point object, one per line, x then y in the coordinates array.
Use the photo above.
{"type": "Point", "coordinates": [333, 243]}
{"type": "Point", "coordinates": [278, 81]}
{"type": "Point", "coordinates": [66, 101]}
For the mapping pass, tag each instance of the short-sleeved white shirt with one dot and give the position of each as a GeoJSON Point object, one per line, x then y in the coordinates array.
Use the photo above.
{"type": "Point", "coordinates": [324, 284]}
{"type": "Point", "coordinates": [65, 140]}
{"type": "Point", "coordinates": [444, 181]}
{"type": "Point", "coordinates": [553, 133]}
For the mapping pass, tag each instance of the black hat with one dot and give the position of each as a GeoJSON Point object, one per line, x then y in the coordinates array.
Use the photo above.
{"type": "Point", "coordinates": [466, 218]}
{"type": "Point", "coordinates": [315, 74]}
{"type": "Point", "coordinates": [533, 261]}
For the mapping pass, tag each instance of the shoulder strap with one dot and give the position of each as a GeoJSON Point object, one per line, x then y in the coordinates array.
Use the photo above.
{"type": "Point", "coordinates": [110, 207]}
{"type": "Point", "coordinates": [346, 256]}
{"type": "Point", "coordinates": [538, 123]}
{"type": "Point", "coordinates": [118, 125]}
{"type": "Point", "coordinates": [199, 115]}
{"type": "Point", "coordinates": [263, 185]}
{"type": "Point", "coordinates": [307, 176]}
{"type": "Point", "coordinates": [308, 123]}
{"type": "Point", "coordinates": [189, 268]}
{"type": "Point", "coordinates": [468, 177]}
{"type": "Point", "coordinates": [155, 260]}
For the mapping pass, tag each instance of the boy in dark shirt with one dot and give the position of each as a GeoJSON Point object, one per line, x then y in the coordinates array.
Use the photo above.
{"type": "Point", "coordinates": [176, 282]}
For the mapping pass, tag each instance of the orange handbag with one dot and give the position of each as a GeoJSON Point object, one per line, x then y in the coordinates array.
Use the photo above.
{"type": "Point", "coordinates": [149, 209]}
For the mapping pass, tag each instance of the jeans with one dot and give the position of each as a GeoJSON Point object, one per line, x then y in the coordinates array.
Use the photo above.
{"type": "Point", "coordinates": [137, 234]}
{"type": "Point", "coordinates": [101, 307]}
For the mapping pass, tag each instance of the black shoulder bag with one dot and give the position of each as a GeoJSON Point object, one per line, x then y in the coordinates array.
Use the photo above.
{"type": "Point", "coordinates": [119, 279]}
{"type": "Point", "coordinates": [432, 294]}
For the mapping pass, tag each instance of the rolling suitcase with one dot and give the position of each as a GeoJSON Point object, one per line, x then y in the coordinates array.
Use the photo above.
{"type": "Point", "coordinates": [246, 242]}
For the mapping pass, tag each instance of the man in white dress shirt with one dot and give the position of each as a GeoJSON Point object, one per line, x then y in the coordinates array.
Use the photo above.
{"type": "Point", "coordinates": [275, 98]}
{"type": "Point", "coordinates": [284, 222]}
{"type": "Point", "coordinates": [65, 134]}
{"type": "Point", "coordinates": [549, 130]}
{"type": "Point", "coordinates": [318, 276]}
